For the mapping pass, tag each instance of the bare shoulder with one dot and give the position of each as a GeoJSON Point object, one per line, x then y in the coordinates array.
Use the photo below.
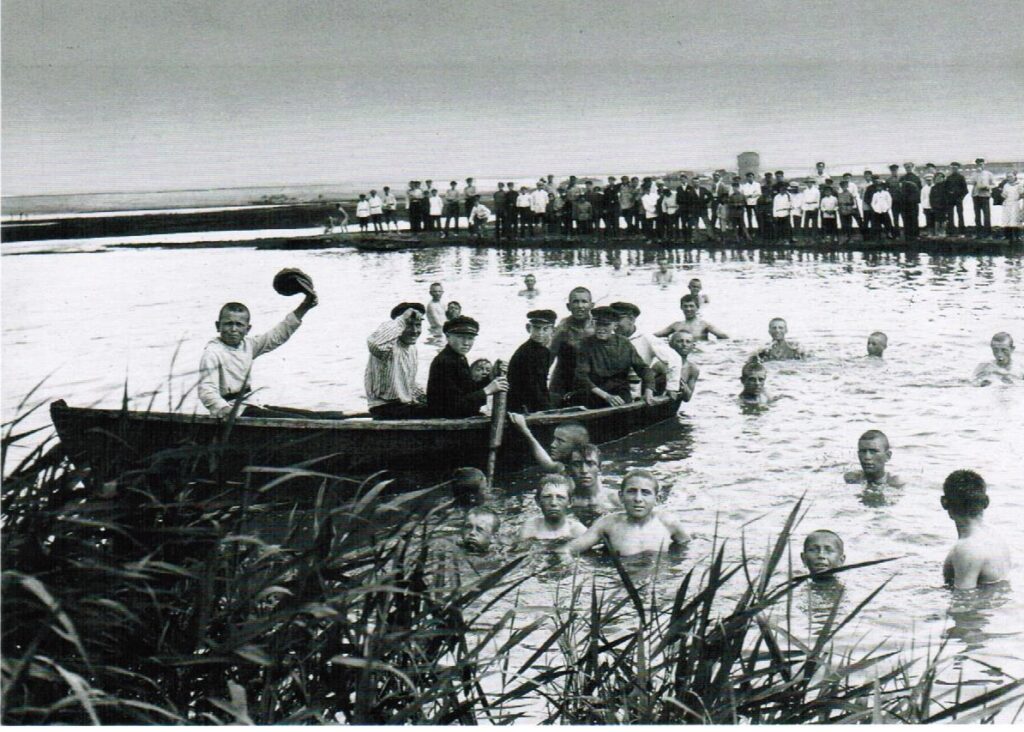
{"type": "Point", "coordinates": [853, 476]}
{"type": "Point", "coordinates": [896, 481]}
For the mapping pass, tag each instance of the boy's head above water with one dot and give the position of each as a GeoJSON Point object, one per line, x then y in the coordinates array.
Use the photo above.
{"type": "Point", "coordinates": [688, 304]}
{"type": "Point", "coordinates": [480, 370]}
{"type": "Point", "coordinates": [553, 496]}
{"type": "Point", "coordinates": [480, 530]}
{"type": "Point", "coordinates": [777, 329]}
{"type": "Point", "coordinates": [233, 323]}
{"type": "Point", "coordinates": [753, 378]}
{"type": "Point", "coordinates": [823, 550]}
{"type": "Point", "coordinates": [584, 466]}
{"type": "Point", "coordinates": [873, 453]}
{"type": "Point", "coordinates": [566, 437]}
{"type": "Point", "coordinates": [877, 343]}
{"type": "Point", "coordinates": [964, 494]}
{"type": "Point", "coordinates": [1002, 349]}
{"type": "Point", "coordinates": [639, 494]}
{"type": "Point", "coordinates": [682, 342]}
{"type": "Point", "coordinates": [469, 487]}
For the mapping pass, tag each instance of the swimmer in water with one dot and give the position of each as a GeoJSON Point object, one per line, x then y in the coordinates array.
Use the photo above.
{"type": "Point", "coordinates": [682, 343]}
{"type": "Point", "coordinates": [695, 286]}
{"type": "Point", "coordinates": [753, 377]}
{"type": "Point", "coordinates": [553, 496]}
{"type": "Point", "coordinates": [638, 528]}
{"type": "Point", "coordinates": [452, 310]}
{"type": "Point", "coordinates": [877, 343]}
{"type": "Point", "coordinates": [691, 323]}
{"type": "Point", "coordinates": [780, 349]}
{"type": "Point", "coordinates": [480, 530]}
{"type": "Point", "coordinates": [663, 275]}
{"type": "Point", "coordinates": [469, 487]}
{"type": "Point", "coordinates": [873, 452]}
{"type": "Point", "coordinates": [823, 551]}
{"type": "Point", "coordinates": [530, 291]}
{"type": "Point", "coordinates": [565, 437]}
{"type": "Point", "coordinates": [584, 467]}
{"type": "Point", "coordinates": [980, 556]}
{"type": "Point", "coordinates": [1001, 369]}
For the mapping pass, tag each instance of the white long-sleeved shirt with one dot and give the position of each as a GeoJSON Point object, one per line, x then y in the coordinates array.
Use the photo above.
{"type": "Point", "coordinates": [524, 200]}
{"type": "Point", "coordinates": [812, 197]}
{"type": "Point", "coordinates": [653, 349]}
{"type": "Point", "coordinates": [436, 205]}
{"type": "Point", "coordinates": [376, 205]}
{"type": "Point", "coordinates": [881, 202]}
{"type": "Point", "coordinates": [650, 204]}
{"type": "Point", "coordinates": [752, 191]}
{"type": "Point", "coordinates": [226, 370]}
{"type": "Point", "coordinates": [538, 201]}
{"type": "Point", "coordinates": [926, 195]}
{"type": "Point", "coordinates": [796, 201]}
{"type": "Point", "coordinates": [782, 204]}
{"type": "Point", "coordinates": [391, 368]}
{"type": "Point", "coordinates": [363, 209]}
{"type": "Point", "coordinates": [982, 183]}
{"type": "Point", "coordinates": [829, 206]}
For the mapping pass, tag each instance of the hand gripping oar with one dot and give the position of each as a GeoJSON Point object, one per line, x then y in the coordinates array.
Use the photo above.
{"type": "Point", "coordinates": [499, 410]}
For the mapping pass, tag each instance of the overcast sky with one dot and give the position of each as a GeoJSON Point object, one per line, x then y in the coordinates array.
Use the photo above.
{"type": "Point", "coordinates": [105, 95]}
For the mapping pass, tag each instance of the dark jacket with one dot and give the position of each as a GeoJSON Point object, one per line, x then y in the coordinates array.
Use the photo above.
{"type": "Point", "coordinates": [956, 186]}
{"type": "Point", "coordinates": [528, 378]}
{"type": "Point", "coordinates": [451, 391]}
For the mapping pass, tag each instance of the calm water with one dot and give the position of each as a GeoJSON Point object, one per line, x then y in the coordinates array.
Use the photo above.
{"type": "Point", "coordinates": [91, 320]}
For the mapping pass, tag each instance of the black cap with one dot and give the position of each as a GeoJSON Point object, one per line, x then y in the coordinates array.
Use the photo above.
{"type": "Point", "coordinates": [462, 324]}
{"type": "Point", "coordinates": [955, 165]}
{"type": "Point", "coordinates": [604, 314]}
{"type": "Point", "coordinates": [403, 306]}
{"type": "Point", "coordinates": [894, 166]}
{"type": "Point", "coordinates": [542, 317]}
{"type": "Point", "coordinates": [625, 308]}
{"type": "Point", "coordinates": [979, 160]}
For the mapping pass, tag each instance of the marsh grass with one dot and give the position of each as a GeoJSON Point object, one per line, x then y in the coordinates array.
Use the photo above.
{"type": "Point", "coordinates": [157, 597]}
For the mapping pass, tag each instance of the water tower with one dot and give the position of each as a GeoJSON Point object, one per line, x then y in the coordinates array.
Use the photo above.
{"type": "Point", "coordinates": [748, 162]}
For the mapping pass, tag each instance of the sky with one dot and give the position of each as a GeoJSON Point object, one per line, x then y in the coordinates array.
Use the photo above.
{"type": "Point", "coordinates": [109, 95]}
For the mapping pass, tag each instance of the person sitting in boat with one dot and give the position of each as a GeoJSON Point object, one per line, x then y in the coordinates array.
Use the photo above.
{"type": "Point", "coordinates": [451, 392]}
{"type": "Point", "coordinates": [225, 368]}
{"type": "Point", "coordinates": [553, 496]}
{"type": "Point", "coordinates": [390, 379]}
{"type": "Point", "coordinates": [565, 438]}
{"type": "Point", "coordinates": [780, 349]}
{"type": "Point", "coordinates": [529, 366]}
{"type": "Point", "coordinates": [639, 527]}
{"type": "Point", "coordinates": [661, 359]}
{"type": "Point", "coordinates": [603, 363]}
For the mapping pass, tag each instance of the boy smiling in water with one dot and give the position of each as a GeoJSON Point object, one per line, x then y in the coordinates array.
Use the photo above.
{"type": "Point", "coordinates": [780, 349]}
{"type": "Point", "coordinates": [823, 551]}
{"type": "Point", "coordinates": [553, 497]}
{"type": "Point", "coordinates": [692, 323]}
{"type": "Point", "coordinates": [638, 527]}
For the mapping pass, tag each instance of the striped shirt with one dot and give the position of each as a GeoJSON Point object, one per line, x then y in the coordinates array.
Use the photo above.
{"type": "Point", "coordinates": [391, 369]}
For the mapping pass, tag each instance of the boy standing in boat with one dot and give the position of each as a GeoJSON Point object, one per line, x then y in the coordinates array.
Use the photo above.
{"type": "Point", "coordinates": [979, 556]}
{"type": "Point", "coordinates": [451, 392]}
{"type": "Point", "coordinates": [390, 379]}
{"type": "Point", "coordinates": [226, 365]}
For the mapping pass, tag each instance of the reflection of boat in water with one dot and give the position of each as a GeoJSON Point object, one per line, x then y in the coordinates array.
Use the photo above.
{"type": "Point", "coordinates": [108, 440]}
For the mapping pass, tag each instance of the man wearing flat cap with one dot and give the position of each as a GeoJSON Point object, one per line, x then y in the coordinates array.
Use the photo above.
{"type": "Point", "coordinates": [603, 365]}
{"type": "Point", "coordinates": [390, 379]}
{"type": "Point", "coordinates": [529, 366]}
{"type": "Point", "coordinates": [662, 360]}
{"type": "Point", "coordinates": [956, 191]}
{"type": "Point", "coordinates": [451, 391]}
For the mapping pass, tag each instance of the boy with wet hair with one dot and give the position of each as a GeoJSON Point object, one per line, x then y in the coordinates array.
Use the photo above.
{"type": "Point", "coordinates": [684, 344]}
{"type": "Point", "coordinates": [469, 487]}
{"type": "Point", "coordinates": [435, 310]}
{"type": "Point", "coordinates": [874, 453]}
{"type": "Point", "coordinates": [565, 437]}
{"type": "Point", "coordinates": [1001, 367]}
{"type": "Point", "coordinates": [226, 364]}
{"type": "Point", "coordinates": [823, 551]}
{"type": "Point", "coordinates": [979, 556]}
{"type": "Point", "coordinates": [695, 286]}
{"type": "Point", "coordinates": [638, 527]}
{"type": "Point", "coordinates": [780, 349]}
{"type": "Point", "coordinates": [480, 530]}
{"type": "Point", "coordinates": [877, 343]}
{"type": "Point", "coordinates": [691, 323]}
{"type": "Point", "coordinates": [584, 467]}
{"type": "Point", "coordinates": [553, 496]}
{"type": "Point", "coordinates": [753, 377]}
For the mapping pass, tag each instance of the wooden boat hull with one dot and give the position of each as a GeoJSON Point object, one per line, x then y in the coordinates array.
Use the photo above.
{"type": "Point", "coordinates": [112, 440]}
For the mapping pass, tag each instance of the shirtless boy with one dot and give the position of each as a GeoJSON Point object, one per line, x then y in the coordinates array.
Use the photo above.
{"type": "Point", "coordinates": [553, 496]}
{"type": "Point", "coordinates": [780, 349]}
{"type": "Point", "coordinates": [530, 291]}
{"type": "Point", "coordinates": [696, 326]}
{"type": "Point", "coordinates": [566, 437]}
{"type": "Point", "coordinates": [753, 377]}
{"type": "Point", "coordinates": [873, 452]}
{"type": "Point", "coordinates": [584, 467]}
{"type": "Point", "coordinates": [823, 551]}
{"type": "Point", "coordinates": [695, 287]}
{"type": "Point", "coordinates": [877, 343]}
{"type": "Point", "coordinates": [480, 530]}
{"type": "Point", "coordinates": [682, 342]}
{"type": "Point", "coordinates": [980, 556]}
{"type": "Point", "coordinates": [435, 310]}
{"type": "Point", "coordinates": [469, 487]}
{"type": "Point", "coordinates": [1002, 367]}
{"type": "Point", "coordinates": [636, 529]}
{"type": "Point", "coordinates": [226, 364]}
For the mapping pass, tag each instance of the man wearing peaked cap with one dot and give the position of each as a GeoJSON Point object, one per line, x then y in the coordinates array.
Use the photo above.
{"type": "Point", "coordinates": [603, 365]}
{"type": "Point", "coordinates": [662, 360]}
{"type": "Point", "coordinates": [528, 369]}
{"type": "Point", "coordinates": [450, 389]}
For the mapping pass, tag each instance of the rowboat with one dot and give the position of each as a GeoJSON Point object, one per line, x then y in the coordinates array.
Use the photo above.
{"type": "Point", "coordinates": [112, 440]}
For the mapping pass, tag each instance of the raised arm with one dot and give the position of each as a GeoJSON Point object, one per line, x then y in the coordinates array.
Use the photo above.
{"type": "Point", "coordinates": [708, 328]}
{"type": "Point", "coordinates": [667, 330]}
{"type": "Point", "coordinates": [536, 449]}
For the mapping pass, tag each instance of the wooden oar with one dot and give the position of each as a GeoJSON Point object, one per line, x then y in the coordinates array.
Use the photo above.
{"type": "Point", "coordinates": [499, 410]}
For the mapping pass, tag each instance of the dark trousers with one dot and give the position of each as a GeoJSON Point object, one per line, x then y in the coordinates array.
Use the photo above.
{"type": "Point", "coordinates": [764, 222]}
{"type": "Point", "coordinates": [958, 207]}
{"type": "Point", "coordinates": [846, 222]}
{"type": "Point", "coordinates": [451, 212]}
{"type": "Point", "coordinates": [500, 224]}
{"type": "Point", "coordinates": [982, 210]}
{"type": "Point", "coordinates": [911, 219]}
{"type": "Point", "coordinates": [525, 217]}
{"type": "Point", "coordinates": [751, 215]}
{"type": "Point", "coordinates": [828, 227]}
{"type": "Point", "coordinates": [689, 223]}
{"type": "Point", "coordinates": [611, 222]}
{"type": "Point", "coordinates": [811, 220]}
{"type": "Point", "coordinates": [884, 221]}
{"type": "Point", "coordinates": [399, 410]}
{"type": "Point", "coordinates": [868, 225]}
{"type": "Point", "coordinates": [415, 216]}
{"type": "Point", "coordinates": [783, 228]}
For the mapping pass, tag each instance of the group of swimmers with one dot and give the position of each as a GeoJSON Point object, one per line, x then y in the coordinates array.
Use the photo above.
{"type": "Point", "coordinates": [587, 359]}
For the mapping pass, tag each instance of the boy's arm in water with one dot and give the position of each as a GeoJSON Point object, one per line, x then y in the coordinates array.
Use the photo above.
{"type": "Point", "coordinates": [675, 529]}
{"type": "Point", "coordinates": [591, 538]}
{"type": "Point", "coordinates": [668, 329]}
{"type": "Point", "coordinates": [536, 449]}
{"type": "Point", "coordinates": [708, 328]}
{"type": "Point", "coordinates": [688, 381]}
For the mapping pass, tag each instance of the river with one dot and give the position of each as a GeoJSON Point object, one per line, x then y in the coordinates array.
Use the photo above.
{"type": "Point", "coordinates": [87, 322]}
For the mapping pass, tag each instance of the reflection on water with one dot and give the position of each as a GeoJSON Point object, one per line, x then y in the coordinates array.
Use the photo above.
{"type": "Point", "coordinates": [731, 475]}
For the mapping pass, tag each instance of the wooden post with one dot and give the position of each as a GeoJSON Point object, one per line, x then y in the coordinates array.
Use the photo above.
{"type": "Point", "coordinates": [499, 410]}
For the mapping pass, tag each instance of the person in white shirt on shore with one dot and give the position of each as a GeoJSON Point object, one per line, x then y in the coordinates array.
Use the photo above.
{"type": "Point", "coordinates": [881, 207]}
{"type": "Point", "coordinates": [1012, 190]}
{"type": "Point", "coordinates": [811, 202]}
{"type": "Point", "coordinates": [539, 205]}
{"type": "Point", "coordinates": [435, 207]}
{"type": "Point", "coordinates": [782, 207]}
{"type": "Point", "coordinates": [796, 206]}
{"type": "Point", "coordinates": [376, 211]}
{"type": "Point", "coordinates": [363, 212]}
{"type": "Point", "coordinates": [751, 190]}
{"type": "Point", "coordinates": [981, 194]}
{"type": "Point", "coordinates": [829, 215]}
{"type": "Point", "coordinates": [821, 175]}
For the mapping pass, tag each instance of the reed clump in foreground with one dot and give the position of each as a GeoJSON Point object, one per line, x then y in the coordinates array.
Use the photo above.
{"type": "Point", "coordinates": [152, 599]}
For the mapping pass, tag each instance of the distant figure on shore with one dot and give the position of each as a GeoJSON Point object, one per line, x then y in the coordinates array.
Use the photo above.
{"type": "Point", "coordinates": [435, 310]}
{"type": "Point", "coordinates": [363, 213]}
{"type": "Point", "coordinates": [877, 343]}
{"type": "Point", "coordinates": [980, 556]}
{"type": "Point", "coordinates": [780, 349]}
{"type": "Point", "coordinates": [662, 275]}
{"type": "Point", "coordinates": [823, 551]}
{"type": "Point", "coordinates": [638, 528]}
{"type": "Point", "coordinates": [589, 493]}
{"type": "Point", "coordinates": [1000, 369]}
{"type": "Point", "coordinates": [480, 530]}
{"type": "Point", "coordinates": [753, 377]}
{"type": "Point", "coordinates": [225, 368]}
{"type": "Point", "coordinates": [684, 344]}
{"type": "Point", "coordinates": [390, 209]}
{"type": "Point", "coordinates": [529, 365]}
{"type": "Point", "coordinates": [874, 453]}
{"type": "Point", "coordinates": [435, 210]}
{"type": "Point", "coordinates": [553, 496]}
{"type": "Point", "coordinates": [566, 437]}
{"type": "Point", "coordinates": [530, 291]}
{"type": "Point", "coordinates": [390, 379]}
{"type": "Point", "coordinates": [451, 392]}
{"type": "Point", "coordinates": [469, 487]}
{"type": "Point", "coordinates": [691, 323]}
